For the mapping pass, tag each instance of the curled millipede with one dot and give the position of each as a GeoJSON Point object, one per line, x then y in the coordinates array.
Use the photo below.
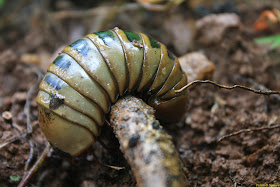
{"type": "Point", "coordinates": [93, 72]}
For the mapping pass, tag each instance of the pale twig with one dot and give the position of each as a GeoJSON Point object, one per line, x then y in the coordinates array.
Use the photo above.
{"type": "Point", "coordinates": [11, 140]}
{"type": "Point", "coordinates": [29, 93]}
{"type": "Point", "coordinates": [27, 113]}
{"type": "Point", "coordinates": [93, 11]}
{"type": "Point", "coordinates": [35, 167]}
{"type": "Point", "coordinates": [146, 146]}
{"type": "Point", "coordinates": [153, 6]}
{"type": "Point", "coordinates": [31, 155]}
{"type": "Point", "coordinates": [8, 19]}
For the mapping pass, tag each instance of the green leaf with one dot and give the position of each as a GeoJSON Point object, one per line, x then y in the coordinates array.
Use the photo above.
{"type": "Point", "coordinates": [2, 3]}
{"type": "Point", "coordinates": [274, 41]}
{"type": "Point", "coordinates": [15, 178]}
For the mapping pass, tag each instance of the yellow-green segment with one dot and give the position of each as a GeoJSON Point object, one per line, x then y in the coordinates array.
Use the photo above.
{"type": "Point", "coordinates": [77, 78]}
{"type": "Point", "coordinates": [90, 59]}
{"type": "Point", "coordinates": [151, 62]}
{"type": "Point", "coordinates": [44, 99]}
{"type": "Point", "coordinates": [134, 53]}
{"type": "Point", "coordinates": [72, 98]}
{"type": "Point", "coordinates": [63, 134]}
{"type": "Point", "coordinates": [90, 74]}
{"type": "Point", "coordinates": [111, 49]}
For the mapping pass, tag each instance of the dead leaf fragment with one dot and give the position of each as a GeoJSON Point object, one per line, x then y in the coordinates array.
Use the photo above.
{"type": "Point", "coordinates": [210, 29]}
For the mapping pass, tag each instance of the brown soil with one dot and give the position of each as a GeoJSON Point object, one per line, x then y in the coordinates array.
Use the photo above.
{"type": "Point", "coordinates": [247, 159]}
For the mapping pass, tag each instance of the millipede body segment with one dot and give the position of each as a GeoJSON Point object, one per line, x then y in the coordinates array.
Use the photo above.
{"type": "Point", "coordinates": [93, 72]}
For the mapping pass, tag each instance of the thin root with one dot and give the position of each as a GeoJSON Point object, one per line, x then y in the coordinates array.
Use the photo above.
{"type": "Point", "coordinates": [26, 111]}
{"type": "Point", "coordinates": [29, 93]}
{"type": "Point", "coordinates": [35, 167]}
{"type": "Point", "coordinates": [262, 92]}
{"type": "Point", "coordinates": [254, 84]}
{"type": "Point", "coordinates": [13, 139]}
{"type": "Point", "coordinates": [31, 155]}
{"type": "Point", "coordinates": [247, 130]}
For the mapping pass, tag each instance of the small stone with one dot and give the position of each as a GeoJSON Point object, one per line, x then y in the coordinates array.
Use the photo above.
{"type": "Point", "coordinates": [7, 115]}
{"type": "Point", "coordinates": [197, 66]}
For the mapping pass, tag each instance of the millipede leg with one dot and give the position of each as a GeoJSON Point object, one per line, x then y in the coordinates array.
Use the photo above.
{"type": "Point", "coordinates": [104, 145]}
{"type": "Point", "coordinates": [112, 167]}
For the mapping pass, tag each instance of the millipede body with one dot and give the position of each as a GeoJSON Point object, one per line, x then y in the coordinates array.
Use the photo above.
{"type": "Point", "coordinates": [93, 72]}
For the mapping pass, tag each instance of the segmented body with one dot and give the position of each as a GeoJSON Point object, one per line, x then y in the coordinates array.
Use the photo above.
{"type": "Point", "coordinates": [93, 72]}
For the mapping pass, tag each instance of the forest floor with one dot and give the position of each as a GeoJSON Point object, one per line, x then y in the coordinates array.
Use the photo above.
{"type": "Point", "coordinates": [31, 37]}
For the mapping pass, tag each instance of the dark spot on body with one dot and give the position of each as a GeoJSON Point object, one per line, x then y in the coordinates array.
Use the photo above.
{"type": "Point", "coordinates": [125, 118]}
{"type": "Point", "coordinates": [133, 109]}
{"type": "Point", "coordinates": [81, 46]}
{"type": "Point", "coordinates": [133, 140]}
{"type": "Point", "coordinates": [53, 82]}
{"type": "Point", "coordinates": [155, 125]}
{"type": "Point", "coordinates": [140, 113]}
{"type": "Point", "coordinates": [131, 36]}
{"type": "Point", "coordinates": [148, 158]}
{"type": "Point", "coordinates": [62, 62]}
{"type": "Point", "coordinates": [55, 102]}
{"type": "Point", "coordinates": [154, 43]}
{"type": "Point", "coordinates": [106, 36]}
{"type": "Point", "coordinates": [171, 55]}
{"type": "Point", "coordinates": [46, 111]}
